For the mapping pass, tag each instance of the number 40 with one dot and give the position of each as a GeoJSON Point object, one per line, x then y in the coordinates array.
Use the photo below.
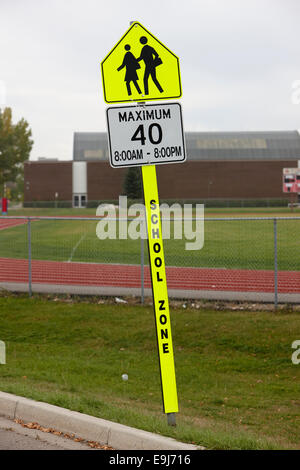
{"type": "Point", "coordinates": [140, 134]}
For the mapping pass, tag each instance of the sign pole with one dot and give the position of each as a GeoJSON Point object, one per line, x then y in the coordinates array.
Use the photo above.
{"type": "Point", "coordinates": [147, 136]}
{"type": "Point", "coordinates": [168, 378]}
{"type": "Point", "coordinates": [160, 294]}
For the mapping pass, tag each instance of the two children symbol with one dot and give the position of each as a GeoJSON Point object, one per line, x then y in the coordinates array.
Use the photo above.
{"type": "Point", "coordinates": [151, 60]}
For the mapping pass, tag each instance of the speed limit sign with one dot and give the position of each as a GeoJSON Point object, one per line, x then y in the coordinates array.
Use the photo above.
{"type": "Point", "coordinates": [141, 135]}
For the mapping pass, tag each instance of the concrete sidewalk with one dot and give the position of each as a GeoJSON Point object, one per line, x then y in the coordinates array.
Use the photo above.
{"type": "Point", "coordinates": [105, 432]}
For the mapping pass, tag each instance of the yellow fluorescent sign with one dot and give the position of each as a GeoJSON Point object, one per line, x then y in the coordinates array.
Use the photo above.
{"type": "Point", "coordinates": [160, 292]}
{"type": "Point", "coordinates": [140, 68]}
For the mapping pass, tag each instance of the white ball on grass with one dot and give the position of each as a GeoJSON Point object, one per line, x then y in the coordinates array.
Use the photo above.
{"type": "Point", "coordinates": [125, 377]}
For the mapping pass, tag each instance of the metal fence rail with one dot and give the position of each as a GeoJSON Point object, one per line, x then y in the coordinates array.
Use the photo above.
{"type": "Point", "coordinates": [243, 259]}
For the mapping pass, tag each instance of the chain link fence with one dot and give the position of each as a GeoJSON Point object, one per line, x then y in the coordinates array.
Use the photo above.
{"type": "Point", "coordinates": [243, 259]}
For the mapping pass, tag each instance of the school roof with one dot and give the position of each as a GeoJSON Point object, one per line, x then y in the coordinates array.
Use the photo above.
{"type": "Point", "coordinates": [222, 146]}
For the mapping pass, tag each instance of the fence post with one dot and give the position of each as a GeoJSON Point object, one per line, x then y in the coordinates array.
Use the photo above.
{"type": "Point", "coordinates": [29, 257]}
{"type": "Point", "coordinates": [142, 262]}
{"type": "Point", "coordinates": [275, 266]}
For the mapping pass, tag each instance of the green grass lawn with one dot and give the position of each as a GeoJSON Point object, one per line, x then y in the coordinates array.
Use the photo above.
{"type": "Point", "coordinates": [228, 244]}
{"type": "Point", "coordinates": [237, 386]}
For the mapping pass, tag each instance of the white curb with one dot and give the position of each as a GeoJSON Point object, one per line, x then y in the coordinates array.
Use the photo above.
{"type": "Point", "coordinates": [87, 427]}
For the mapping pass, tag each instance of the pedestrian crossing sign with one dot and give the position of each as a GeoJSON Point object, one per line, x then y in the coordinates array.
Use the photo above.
{"type": "Point", "coordinates": [140, 68]}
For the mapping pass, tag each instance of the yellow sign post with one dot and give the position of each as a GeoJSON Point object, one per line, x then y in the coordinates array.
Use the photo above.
{"type": "Point", "coordinates": [160, 292]}
{"type": "Point", "coordinates": [140, 68]}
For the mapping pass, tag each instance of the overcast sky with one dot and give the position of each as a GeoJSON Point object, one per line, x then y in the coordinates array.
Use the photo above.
{"type": "Point", "coordinates": [238, 61]}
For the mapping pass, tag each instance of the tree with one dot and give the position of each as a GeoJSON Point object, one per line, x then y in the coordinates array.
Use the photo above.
{"type": "Point", "coordinates": [15, 147]}
{"type": "Point", "coordinates": [133, 183]}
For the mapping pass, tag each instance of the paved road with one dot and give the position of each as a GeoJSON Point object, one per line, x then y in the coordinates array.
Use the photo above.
{"type": "Point", "coordinates": [15, 437]}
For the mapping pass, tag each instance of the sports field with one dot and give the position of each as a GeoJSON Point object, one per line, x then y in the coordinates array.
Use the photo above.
{"type": "Point", "coordinates": [238, 255]}
{"type": "Point", "coordinates": [232, 244]}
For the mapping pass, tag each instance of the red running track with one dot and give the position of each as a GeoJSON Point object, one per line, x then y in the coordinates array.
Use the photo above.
{"type": "Point", "coordinates": [178, 278]}
{"type": "Point", "coordinates": [92, 274]}
{"type": "Point", "coordinates": [7, 223]}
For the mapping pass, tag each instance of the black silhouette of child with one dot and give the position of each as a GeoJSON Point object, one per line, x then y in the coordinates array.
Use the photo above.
{"type": "Point", "coordinates": [131, 64]}
{"type": "Point", "coordinates": [148, 55]}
